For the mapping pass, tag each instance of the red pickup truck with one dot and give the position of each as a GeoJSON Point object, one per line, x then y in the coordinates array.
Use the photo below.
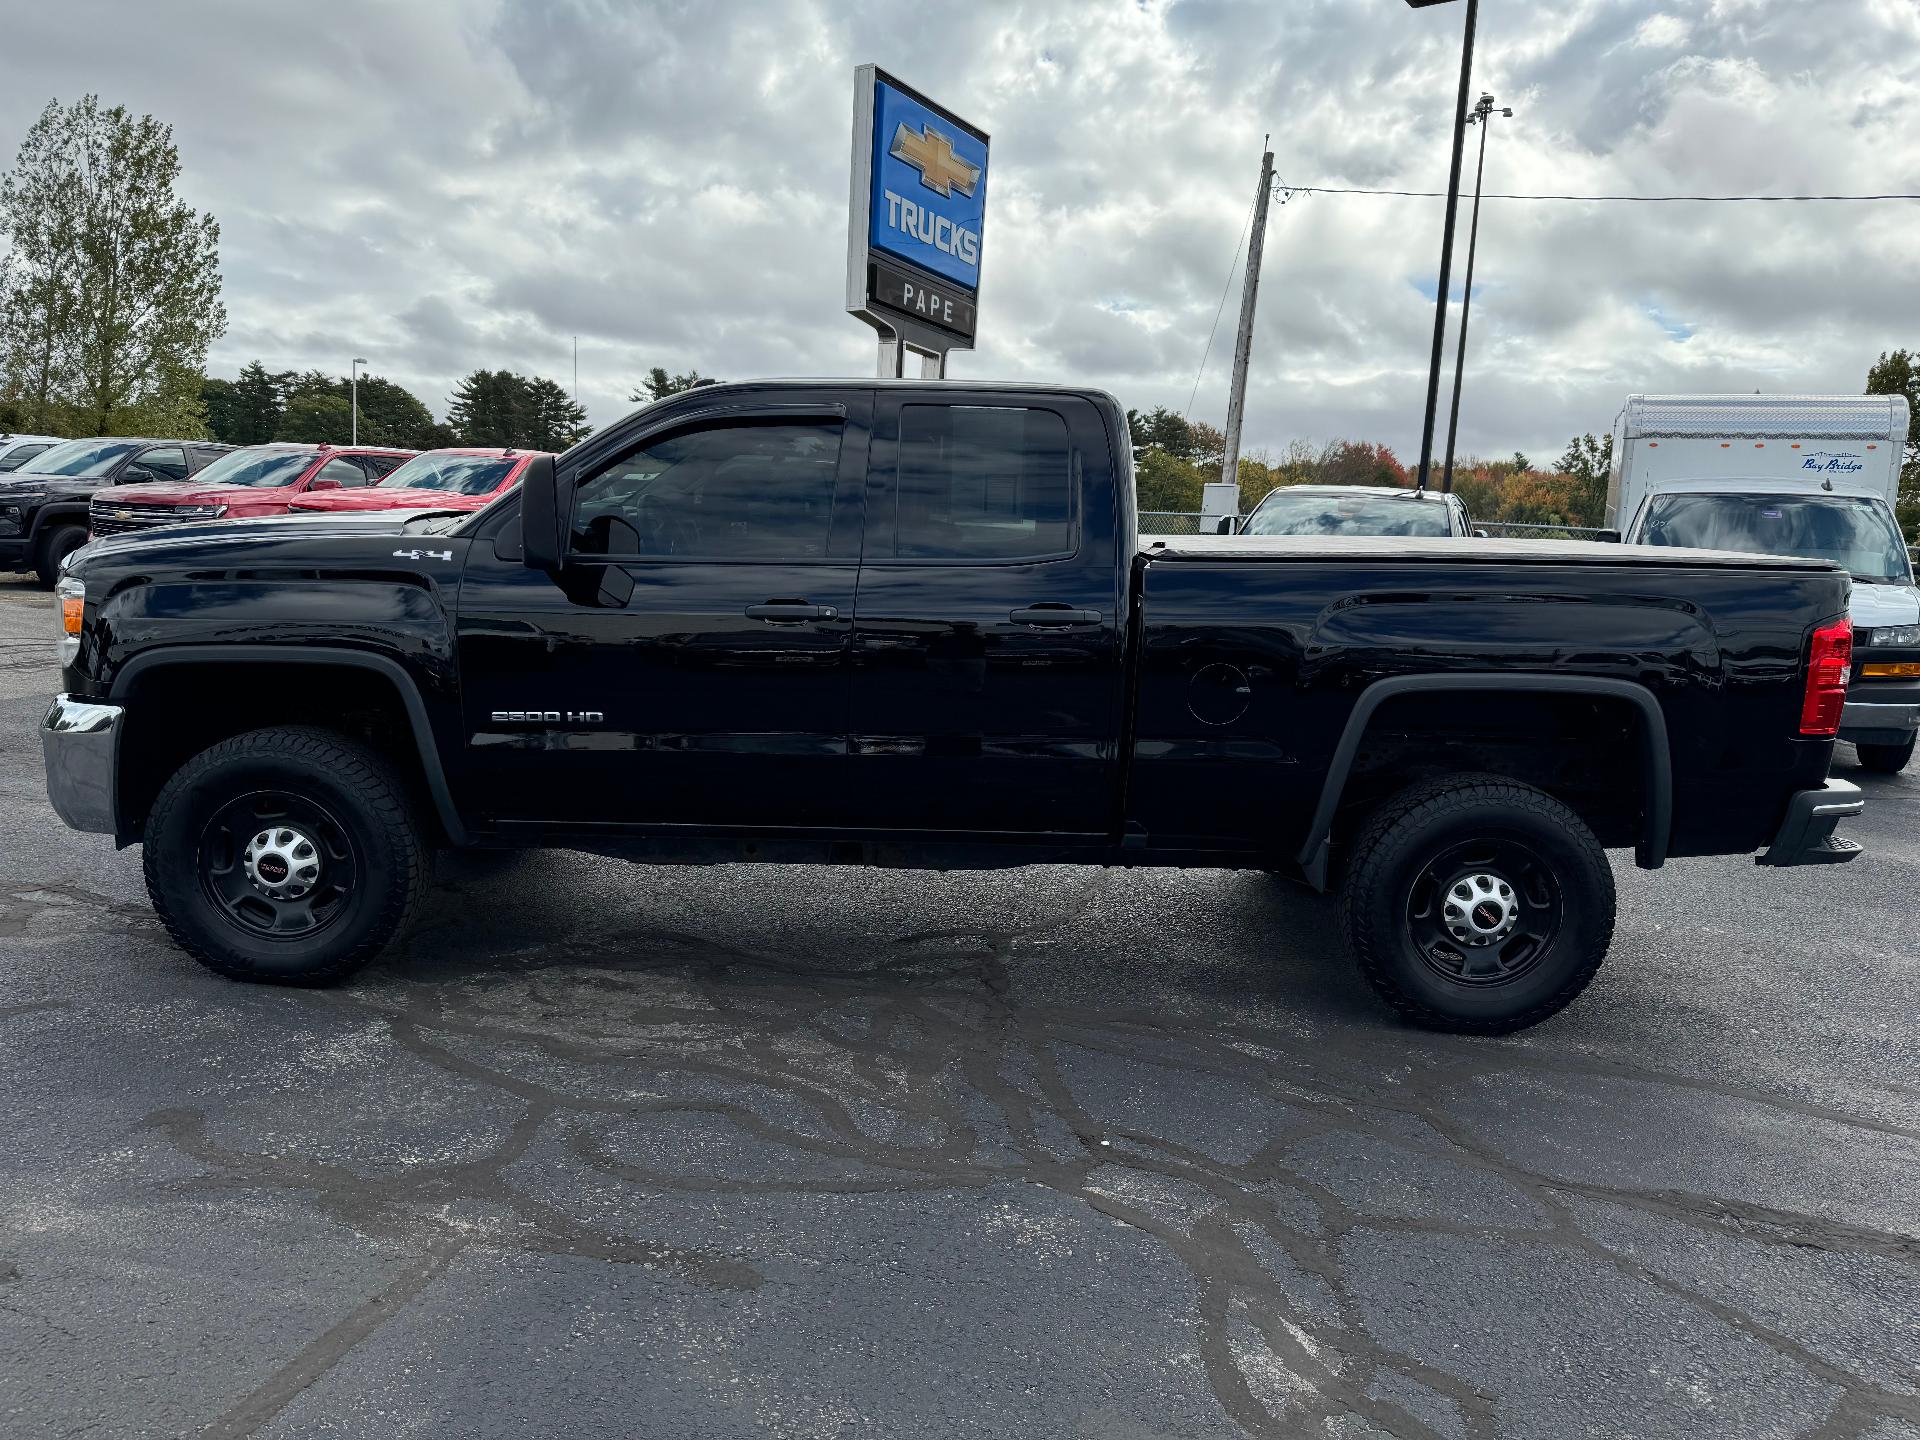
{"type": "Point", "coordinates": [453, 479]}
{"type": "Point", "coordinates": [259, 480]}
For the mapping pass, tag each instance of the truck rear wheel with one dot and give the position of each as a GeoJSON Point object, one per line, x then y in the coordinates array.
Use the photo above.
{"type": "Point", "coordinates": [1477, 904]}
{"type": "Point", "coordinates": [59, 542]}
{"type": "Point", "coordinates": [288, 856]}
{"type": "Point", "coordinates": [1885, 759]}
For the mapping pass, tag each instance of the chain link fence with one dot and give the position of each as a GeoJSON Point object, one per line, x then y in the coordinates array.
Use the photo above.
{"type": "Point", "coordinates": [1182, 522]}
{"type": "Point", "coordinates": [1526, 530]}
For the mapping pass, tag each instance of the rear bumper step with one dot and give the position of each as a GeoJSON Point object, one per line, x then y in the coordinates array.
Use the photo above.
{"type": "Point", "coordinates": [1806, 836]}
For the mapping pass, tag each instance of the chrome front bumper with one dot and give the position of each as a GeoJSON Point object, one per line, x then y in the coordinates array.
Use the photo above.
{"type": "Point", "coordinates": [1863, 721]}
{"type": "Point", "coordinates": [81, 742]}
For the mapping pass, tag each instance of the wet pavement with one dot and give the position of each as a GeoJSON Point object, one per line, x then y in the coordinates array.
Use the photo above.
{"type": "Point", "coordinates": [613, 1151]}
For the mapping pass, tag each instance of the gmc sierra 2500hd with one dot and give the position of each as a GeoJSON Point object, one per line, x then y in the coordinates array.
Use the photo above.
{"type": "Point", "coordinates": [900, 623]}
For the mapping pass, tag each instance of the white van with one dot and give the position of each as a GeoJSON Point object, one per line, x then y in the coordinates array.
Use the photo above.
{"type": "Point", "coordinates": [1790, 475]}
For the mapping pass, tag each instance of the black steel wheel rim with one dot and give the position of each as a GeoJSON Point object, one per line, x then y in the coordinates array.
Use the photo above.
{"type": "Point", "coordinates": [1506, 915]}
{"type": "Point", "coordinates": [267, 899]}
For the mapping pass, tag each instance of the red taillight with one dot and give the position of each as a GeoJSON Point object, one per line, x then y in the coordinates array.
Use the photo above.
{"type": "Point", "coordinates": [1829, 667]}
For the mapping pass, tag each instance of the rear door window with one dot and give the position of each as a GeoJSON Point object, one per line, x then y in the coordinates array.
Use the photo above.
{"type": "Point", "coordinates": [979, 482]}
{"type": "Point", "coordinates": [167, 462]}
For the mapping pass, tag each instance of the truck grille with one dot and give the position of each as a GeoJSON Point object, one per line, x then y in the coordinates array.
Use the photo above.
{"type": "Point", "coordinates": [118, 519]}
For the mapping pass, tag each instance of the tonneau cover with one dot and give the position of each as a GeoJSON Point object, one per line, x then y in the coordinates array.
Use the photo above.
{"type": "Point", "coordinates": [1460, 550]}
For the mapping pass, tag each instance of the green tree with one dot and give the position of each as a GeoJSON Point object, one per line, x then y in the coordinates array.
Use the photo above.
{"type": "Point", "coordinates": [498, 407]}
{"type": "Point", "coordinates": [555, 421]}
{"type": "Point", "coordinates": [247, 410]}
{"type": "Point", "coordinates": [1166, 482]}
{"type": "Point", "coordinates": [316, 417]}
{"type": "Point", "coordinates": [1161, 429]}
{"type": "Point", "coordinates": [1897, 372]}
{"type": "Point", "coordinates": [1587, 462]}
{"type": "Point", "coordinates": [658, 384]}
{"type": "Point", "coordinates": [110, 291]}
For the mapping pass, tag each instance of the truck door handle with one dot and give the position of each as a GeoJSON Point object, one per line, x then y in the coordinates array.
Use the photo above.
{"type": "Point", "coordinates": [1050, 613]}
{"type": "Point", "coordinates": [791, 612]}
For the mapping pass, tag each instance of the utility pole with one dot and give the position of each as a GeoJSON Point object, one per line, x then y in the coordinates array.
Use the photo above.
{"type": "Point", "coordinates": [1446, 238]}
{"type": "Point", "coordinates": [1482, 116]}
{"type": "Point", "coordinates": [576, 369]}
{"type": "Point", "coordinates": [1243, 336]}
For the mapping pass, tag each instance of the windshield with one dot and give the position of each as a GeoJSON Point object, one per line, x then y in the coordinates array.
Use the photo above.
{"type": "Point", "coordinates": [82, 457]}
{"type": "Point", "coordinates": [1855, 532]}
{"type": "Point", "coordinates": [19, 455]}
{"type": "Point", "coordinates": [256, 467]}
{"type": "Point", "coordinates": [457, 474]}
{"type": "Point", "coordinates": [1392, 512]}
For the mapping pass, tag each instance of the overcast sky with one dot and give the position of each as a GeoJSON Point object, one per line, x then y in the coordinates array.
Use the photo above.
{"type": "Point", "coordinates": [445, 184]}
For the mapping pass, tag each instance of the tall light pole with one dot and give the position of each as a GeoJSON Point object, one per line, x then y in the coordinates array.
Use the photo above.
{"type": "Point", "coordinates": [1446, 239]}
{"type": "Point", "coordinates": [354, 386]}
{"type": "Point", "coordinates": [1482, 116]}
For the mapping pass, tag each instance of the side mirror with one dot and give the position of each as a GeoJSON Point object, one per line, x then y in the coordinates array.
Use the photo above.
{"type": "Point", "coordinates": [1607, 537]}
{"type": "Point", "coordinates": [1480, 534]}
{"type": "Point", "coordinates": [542, 528]}
{"type": "Point", "coordinates": [324, 485]}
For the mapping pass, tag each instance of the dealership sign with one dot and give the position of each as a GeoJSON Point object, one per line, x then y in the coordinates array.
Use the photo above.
{"type": "Point", "coordinates": [919, 206]}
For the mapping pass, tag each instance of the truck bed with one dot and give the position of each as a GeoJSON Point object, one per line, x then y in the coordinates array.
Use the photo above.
{"type": "Point", "coordinates": [1464, 551]}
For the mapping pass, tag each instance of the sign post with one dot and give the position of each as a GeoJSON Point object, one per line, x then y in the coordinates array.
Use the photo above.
{"type": "Point", "coordinates": [916, 219]}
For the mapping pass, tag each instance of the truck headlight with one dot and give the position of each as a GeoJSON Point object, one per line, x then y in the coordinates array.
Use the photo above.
{"type": "Point", "coordinates": [1903, 635]}
{"type": "Point", "coordinates": [71, 596]}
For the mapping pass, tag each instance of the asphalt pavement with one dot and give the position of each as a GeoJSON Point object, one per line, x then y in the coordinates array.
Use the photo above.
{"type": "Point", "coordinates": [617, 1151]}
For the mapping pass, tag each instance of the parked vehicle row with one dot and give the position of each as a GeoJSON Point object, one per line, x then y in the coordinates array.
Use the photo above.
{"type": "Point", "coordinates": [259, 480]}
{"type": "Point", "coordinates": [44, 504]}
{"type": "Point", "coordinates": [911, 623]}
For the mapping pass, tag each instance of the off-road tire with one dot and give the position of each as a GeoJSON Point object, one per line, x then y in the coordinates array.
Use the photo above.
{"type": "Point", "coordinates": [1885, 759]}
{"type": "Point", "coordinates": [1407, 834]}
{"type": "Point", "coordinates": [357, 788]}
{"type": "Point", "coordinates": [55, 545]}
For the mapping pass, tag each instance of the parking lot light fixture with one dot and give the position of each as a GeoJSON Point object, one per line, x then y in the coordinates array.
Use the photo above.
{"type": "Point", "coordinates": [1446, 238]}
{"type": "Point", "coordinates": [353, 385]}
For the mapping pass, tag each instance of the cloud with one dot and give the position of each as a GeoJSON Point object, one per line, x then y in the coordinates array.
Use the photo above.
{"type": "Point", "coordinates": [446, 185]}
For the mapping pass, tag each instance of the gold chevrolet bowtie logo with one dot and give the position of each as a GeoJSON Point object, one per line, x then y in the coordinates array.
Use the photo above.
{"type": "Point", "coordinates": [931, 153]}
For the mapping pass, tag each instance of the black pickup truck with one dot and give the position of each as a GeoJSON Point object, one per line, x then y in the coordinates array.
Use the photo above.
{"type": "Point", "coordinates": [899, 623]}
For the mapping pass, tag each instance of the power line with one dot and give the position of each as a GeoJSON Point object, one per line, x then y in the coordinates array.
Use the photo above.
{"type": "Point", "coordinates": [1636, 199]}
{"type": "Point", "coordinates": [1233, 267]}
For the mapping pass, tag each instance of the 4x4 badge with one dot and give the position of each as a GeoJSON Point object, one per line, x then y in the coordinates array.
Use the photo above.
{"type": "Point", "coordinates": [424, 555]}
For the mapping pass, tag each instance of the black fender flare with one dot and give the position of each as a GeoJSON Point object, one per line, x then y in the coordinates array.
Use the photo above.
{"type": "Point", "coordinates": [416, 707]}
{"type": "Point", "coordinates": [1651, 851]}
{"type": "Point", "coordinates": [58, 512]}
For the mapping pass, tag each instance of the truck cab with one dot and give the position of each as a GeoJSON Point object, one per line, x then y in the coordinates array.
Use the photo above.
{"type": "Point", "coordinates": [1804, 475]}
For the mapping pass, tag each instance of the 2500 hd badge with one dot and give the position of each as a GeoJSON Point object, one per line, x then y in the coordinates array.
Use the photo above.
{"type": "Point", "coordinates": [550, 717]}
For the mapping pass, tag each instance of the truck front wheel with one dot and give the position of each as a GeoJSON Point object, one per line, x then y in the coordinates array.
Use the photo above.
{"type": "Point", "coordinates": [1477, 904]}
{"type": "Point", "coordinates": [288, 856]}
{"type": "Point", "coordinates": [1885, 759]}
{"type": "Point", "coordinates": [59, 542]}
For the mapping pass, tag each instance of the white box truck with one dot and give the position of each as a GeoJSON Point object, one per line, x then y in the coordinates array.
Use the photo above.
{"type": "Point", "coordinates": [1790, 475]}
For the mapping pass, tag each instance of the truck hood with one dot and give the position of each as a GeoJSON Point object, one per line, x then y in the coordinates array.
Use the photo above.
{"type": "Point", "coordinates": [29, 484]}
{"type": "Point", "coordinates": [217, 535]}
{"type": "Point", "coordinates": [1876, 605]}
{"type": "Point", "coordinates": [182, 492]}
{"type": "Point", "coordinates": [375, 497]}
